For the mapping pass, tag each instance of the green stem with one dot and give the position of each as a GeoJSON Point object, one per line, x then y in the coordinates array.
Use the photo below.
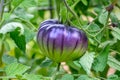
{"type": "Point", "coordinates": [51, 11]}
{"type": "Point", "coordinates": [58, 67]}
{"type": "Point", "coordinates": [1, 54]}
{"type": "Point", "coordinates": [3, 20]}
{"type": "Point", "coordinates": [106, 28]}
{"type": "Point", "coordinates": [2, 50]}
{"type": "Point", "coordinates": [56, 72]}
{"type": "Point", "coordinates": [118, 6]}
{"type": "Point", "coordinates": [29, 23]}
{"type": "Point", "coordinates": [73, 13]}
{"type": "Point", "coordinates": [1, 9]}
{"type": "Point", "coordinates": [15, 7]}
{"type": "Point", "coordinates": [107, 32]}
{"type": "Point", "coordinates": [58, 8]}
{"type": "Point", "coordinates": [104, 25]}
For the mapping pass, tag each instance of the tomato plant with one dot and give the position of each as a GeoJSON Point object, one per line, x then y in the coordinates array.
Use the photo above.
{"type": "Point", "coordinates": [59, 39]}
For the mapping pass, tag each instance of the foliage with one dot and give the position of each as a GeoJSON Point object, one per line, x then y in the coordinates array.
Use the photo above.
{"type": "Point", "coordinates": [21, 58]}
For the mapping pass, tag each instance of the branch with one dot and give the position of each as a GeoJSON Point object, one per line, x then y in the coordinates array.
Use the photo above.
{"type": "Point", "coordinates": [73, 13]}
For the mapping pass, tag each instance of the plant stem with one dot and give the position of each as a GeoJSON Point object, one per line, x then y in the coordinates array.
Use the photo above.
{"type": "Point", "coordinates": [73, 13]}
{"type": "Point", "coordinates": [1, 54]}
{"type": "Point", "coordinates": [27, 22]}
{"type": "Point", "coordinates": [104, 25]}
{"type": "Point", "coordinates": [118, 6]}
{"type": "Point", "coordinates": [58, 67]}
{"type": "Point", "coordinates": [1, 9]}
{"type": "Point", "coordinates": [51, 11]}
{"type": "Point", "coordinates": [58, 8]}
{"type": "Point", "coordinates": [2, 43]}
{"type": "Point", "coordinates": [56, 72]}
{"type": "Point", "coordinates": [2, 50]}
{"type": "Point", "coordinates": [107, 31]}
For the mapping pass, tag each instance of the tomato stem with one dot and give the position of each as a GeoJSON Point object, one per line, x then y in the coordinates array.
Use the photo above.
{"type": "Point", "coordinates": [73, 13]}
{"type": "Point", "coordinates": [51, 9]}
{"type": "Point", "coordinates": [58, 67]}
{"type": "Point", "coordinates": [58, 8]}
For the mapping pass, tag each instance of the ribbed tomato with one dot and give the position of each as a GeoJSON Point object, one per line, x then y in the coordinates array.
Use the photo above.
{"type": "Point", "coordinates": [60, 42]}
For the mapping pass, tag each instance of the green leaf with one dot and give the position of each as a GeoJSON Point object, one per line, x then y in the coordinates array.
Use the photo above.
{"type": "Point", "coordinates": [24, 15]}
{"type": "Point", "coordinates": [84, 2]}
{"type": "Point", "coordinates": [78, 9]}
{"type": "Point", "coordinates": [116, 32]}
{"type": "Point", "coordinates": [75, 65]}
{"type": "Point", "coordinates": [93, 28]}
{"type": "Point", "coordinates": [29, 34]}
{"type": "Point", "coordinates": [84, 77]}
{"type": "Point", "coordinates": [67, 77]}
{"type": "Point", "coordinates": [116, 47]}
{"type": "Point", "coordinates": [16, 2]}
{"type": "Point", "coordinates": [108, 42]}
{"type": "Point", "coordinates": [14, 69]}
{"type": "Point", "coordinates": [9, 27]}
{"type": "Point", "coordinates": [8, 59]}
{"type": "Point", "coordinates": [28, 3]}
{"type": "Point", "coordinates": [43, 3]}
{"type": "Point", "coordinates": [113, 77]}
{"type": "Point", "coordinates": [17, 52]}
{"type": "Point", "coordinates": [70, 2]}
{"type": "Point", "coordinates": [19, 39]}
{"type": "Point", "coordinates": [73, 4]}
{"type": "Point", "coordinates": [101, 60]}
{"type": "Point", "coordinates": [112, 62]}
{"type": "Point", "coordinates": [47, 62]}
{"type": "Point", "coordinates": [103, 17]}
{"type": "Point", "coordinates": [86, 61]}
{"type": "Point", "coordinates": [31, 77]}
{"type": "Point", "coordinates": [23, 3]}
{"type": "Point", "coordinates": [114, 17]}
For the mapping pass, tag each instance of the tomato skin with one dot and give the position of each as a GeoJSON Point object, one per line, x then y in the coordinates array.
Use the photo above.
{"type": "Point", "coordinates": [60, 42]}
{"type": "Point", "coordinates": [50, 21]}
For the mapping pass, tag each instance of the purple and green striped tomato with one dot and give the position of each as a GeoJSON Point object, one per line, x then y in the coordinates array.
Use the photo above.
{"type": "Point", "coordinates": [60, 42]}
